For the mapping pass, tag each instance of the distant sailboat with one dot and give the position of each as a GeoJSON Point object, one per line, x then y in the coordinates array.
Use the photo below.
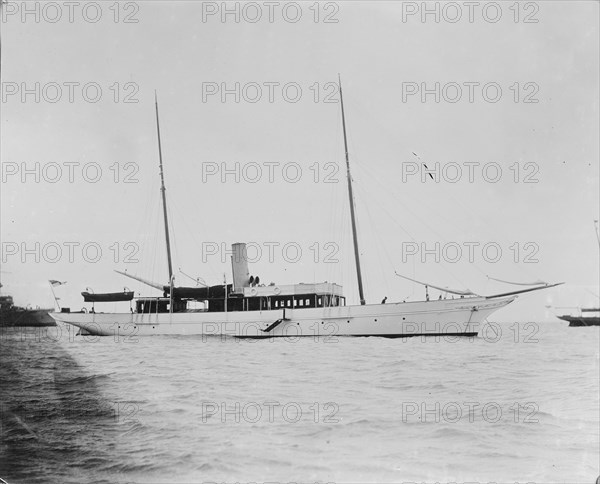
{"type": "Point", "coordinates": [246, 309]}
{"type": "Point", "coordinates": [583, 319]}
{"type": "Point", "coordinates": [586, 316]}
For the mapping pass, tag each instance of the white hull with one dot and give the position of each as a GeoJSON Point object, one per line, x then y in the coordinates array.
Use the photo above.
{"type": "Point", "coordinates": [440, 317]}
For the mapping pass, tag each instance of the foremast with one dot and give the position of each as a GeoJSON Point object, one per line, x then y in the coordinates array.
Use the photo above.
{"type": "Point", "coordinates": [164, 195]}
{"type": "Point", "coordinates": [351, 198]}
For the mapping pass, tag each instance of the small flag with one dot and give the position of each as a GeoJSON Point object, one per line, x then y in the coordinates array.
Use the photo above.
{"type": "Point", "coordinates": [54, 283]}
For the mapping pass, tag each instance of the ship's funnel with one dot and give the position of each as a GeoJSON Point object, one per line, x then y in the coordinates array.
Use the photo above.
{"type": "Point", "coordinates": [239, 264]}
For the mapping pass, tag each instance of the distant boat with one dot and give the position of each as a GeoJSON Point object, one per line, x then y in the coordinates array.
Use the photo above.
{"type": "Point", "coordinates": [11, 315]}
{"type": "Point", "coordinates": [248, 309]}
{"type": "Point", "coordinates": [583, 320]}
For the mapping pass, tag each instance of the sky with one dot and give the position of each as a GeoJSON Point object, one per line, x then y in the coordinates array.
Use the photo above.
{"type": "Point", "coordinates": [501, 104]}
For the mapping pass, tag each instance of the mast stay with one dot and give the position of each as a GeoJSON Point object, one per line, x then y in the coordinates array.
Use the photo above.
{"type": "Point", "coordinates": [351, 198]}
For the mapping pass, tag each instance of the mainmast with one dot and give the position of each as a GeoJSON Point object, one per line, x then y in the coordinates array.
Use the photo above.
{"type": "Point", "coordinates": [351, 197]}
{"type": "Point", "coordinates": [164, 195]}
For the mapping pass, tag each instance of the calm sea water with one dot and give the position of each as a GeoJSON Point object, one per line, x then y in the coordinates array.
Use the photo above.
{"type": "Point", "coordinates": [520, 404]}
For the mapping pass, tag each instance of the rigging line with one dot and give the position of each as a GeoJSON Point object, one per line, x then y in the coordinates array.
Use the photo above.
{"type": "Point", "coordinates": [172, 232]}
{"type": "Point", "coordinates": [149, 240]}
{"type": "Point", "coordinates": [383, 127]}
{"type": "Point", "coordinates": [332, 235]}
{"type": "Point", "coordinates": [413, 286]}
{"type": "Point", "coordinates": [148, 258]}
{"type": "Point", "coordinates": [358, 162]}
{"type": "Point", "coordinates": [183, 222]}
{"type": "Point", "coordinates": [413, 260]}
{"type": "Point", "coordinates": [358, 224]}
{"type": "Point", "coordinates": [491, 229]}
{"type": "Point", "coordinates": [592, 293]}
{"type": "Point", "coordinates": [333, 195]}
{"type": "Point", "coordinates": [394, 137]}
{"type": "Point", "coordinates": [420, 219]}
{"type": "Point", "coordinates": [154, 245]}
{"type": "Point", "coordinates": [486, 225]}
{"type": "Point", "coordinates": [147, 219]}
{"type": "Point", "coordinates": [155, 241]}
{"type": "Point", "coordinates": [340, 238]}
{"type": "Point", "coordinates": [340, 212]}
{"type": "Point", "coordinates": [337, 270]}
{"type": "Point", "coordinates": [382, 207]}
{"type": "Point", "coordinates": [406, 207]}
{"type": "Point", "coordinates": [378, 245]}
{"type": "Point", "coordinates": [151, 201]}
{"type": "Point", "coordinates": [147, 226]}
{"type": "Point", "coordinates": [338, 216]}
{"type": "Point", "coordinates": [333, 230]}
{"type": "Point", "coordinates": [181, 219]}
{"type": "Point", "coordinates": [158, 244]}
